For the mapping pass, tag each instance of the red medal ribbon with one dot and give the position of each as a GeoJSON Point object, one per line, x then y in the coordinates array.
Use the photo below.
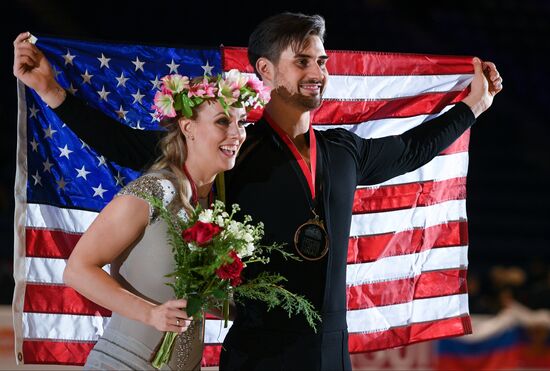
{"type": "Point", "coordinates": [194, 192]}
{"type": "Point", "coordinates": [309, 174]}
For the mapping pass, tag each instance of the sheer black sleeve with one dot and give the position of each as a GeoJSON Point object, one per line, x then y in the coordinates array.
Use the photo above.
{"type": "Point", "coordinates": [128, 147]}
{"type": "Point", "coordinates": [380, 159]}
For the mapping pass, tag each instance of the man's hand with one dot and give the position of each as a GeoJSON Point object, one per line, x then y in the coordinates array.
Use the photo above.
{"type": "Point", "coordinates": [486, 84]}
{"type": "Point", "coordinates": [33, 69]}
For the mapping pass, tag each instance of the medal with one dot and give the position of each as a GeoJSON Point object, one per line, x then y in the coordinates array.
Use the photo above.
{"type": "Point", "coordinates": [311, 240]}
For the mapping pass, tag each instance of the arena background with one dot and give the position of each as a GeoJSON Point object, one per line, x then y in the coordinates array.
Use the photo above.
{"type": "Point", "coordinates": [509, 174]}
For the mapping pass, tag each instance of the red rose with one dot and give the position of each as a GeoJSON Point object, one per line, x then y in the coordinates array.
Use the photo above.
{"type": "Point", "coordinates": [201, 233]}
{"type": "Point", "coordinates": [231, 271]}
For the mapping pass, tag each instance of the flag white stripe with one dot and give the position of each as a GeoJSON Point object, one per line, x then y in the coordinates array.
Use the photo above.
{"type": "Point", "coordinates": [402, 220]}
{"type": "Point", "coordinates": [73, 327]}
{"type": "Point", "coordinates": [391, 87]}
{"type": "Point", "coordinates": [420, 310]}
{"type": "Point", "coordinates": [48, 270]}
{"type": "Point", "coordinates": [384, 127]}
{"type": "Point", "coordinates": [440, 168]}
{"type": "Point", "coordinates": [57, 218]}
{"type": "Point", "coordinates": [88, 328]}
{"type": "Point", "coordinates": [405, 266]}
{"type": "Point", "coordinates": [214, 331]}
{"type": "Point", "coordinates": [63, 326]}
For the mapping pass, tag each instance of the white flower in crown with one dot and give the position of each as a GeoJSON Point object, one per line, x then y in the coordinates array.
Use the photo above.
{"type": "Point", "coordinates": [175, 83]}
{"type": "Point", "coordinates": [235, 79]}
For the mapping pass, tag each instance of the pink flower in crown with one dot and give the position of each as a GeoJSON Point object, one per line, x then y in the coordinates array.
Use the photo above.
{"type": "Point", "coordinates": [164, 104]}
{"type": "Point", "coordinates": [203, 89]}
{"type": "Point", "coordinates": [228, 92]}
{"type": "Point", "coordinates": [264, 92]}
{"type": "Point", "coordinates": [175, 83]}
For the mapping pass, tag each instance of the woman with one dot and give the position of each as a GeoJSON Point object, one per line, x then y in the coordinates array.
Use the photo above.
{"type": "Point", "coordinates": [202, 139]}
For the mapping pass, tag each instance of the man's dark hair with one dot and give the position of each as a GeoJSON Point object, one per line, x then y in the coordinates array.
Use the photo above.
{"type": "Point", "coordinates": [277, 32]}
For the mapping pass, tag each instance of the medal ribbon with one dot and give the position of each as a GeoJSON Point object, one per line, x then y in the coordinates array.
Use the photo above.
{"type": "Point", "coordinates": [309, 174]}
{"type": "Point", "coordinates": [194, 192]}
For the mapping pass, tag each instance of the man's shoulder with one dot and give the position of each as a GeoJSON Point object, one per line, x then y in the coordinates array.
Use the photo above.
{"type": "Point", "coordinates": [337, 135]}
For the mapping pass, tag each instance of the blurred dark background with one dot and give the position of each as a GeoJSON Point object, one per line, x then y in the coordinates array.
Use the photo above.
{"type": "Point", "coordinates": [509, 174]}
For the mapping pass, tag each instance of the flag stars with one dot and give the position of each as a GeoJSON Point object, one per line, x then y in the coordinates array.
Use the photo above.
{"type": "Point", "coordinates": [121, 80]}
{"type": "Point", "coordinates": [34, 145]}
{"type": "Point", "coordinates": [103, 93]}
{"type": "Point", "coordinates": [68, 58]}
{"type": "Point", "coordinates": [99, 191]}
{"type": "Point", "coordinates": [82, 173]}
{"type": "Point", "coordinates": [49, 132]}
{"type": "Point", "coordinates": [173, 66]}
{"type": "Point", "coordinates": [104, 61]}
{"type": "Point", "coordinates": [154, 117]}
{"type": "Point", "coordinates": [86, 77]}
{"type": "Point", "coordinates": [47, 165]}
{"type": "Point", "coordinates": [61, 183]}
{"type": "Point", "coordinates": [119, 179]}
{"type": "Point", "coordinates": [207, 69]}
{"type": "Point", "coordinates": [37, 178]}
{"type": "Point", "coordinates": [84, 145]}
{"type": "Point", "coordinates": [156, 83]}
{"type": "Point", "coordinates": [137, 97]}
{"type": "Point", "coordinates": [101, 160]}
{"type": "Point", "coordinates": [121, 113]}
{"type": "Point", "coordinates": [71, 89]}
{"type": "Point", "coordinates": [65, 152]}
{"type": "Point", "coordinates": [138, 125]}
{"type": "Point", "coordinates": [139, 64]}
{"type": "Point", "coordinates": [34, 111]}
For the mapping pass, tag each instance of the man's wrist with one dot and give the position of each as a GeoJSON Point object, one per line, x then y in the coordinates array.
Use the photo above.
{"type": "Point", "coordinates": [477, 105]}
{"type": "Point", "coordinates": [53, 96]}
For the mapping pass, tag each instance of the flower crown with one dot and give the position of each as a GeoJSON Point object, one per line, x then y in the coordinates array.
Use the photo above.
{"type": "Point", "coordinates": [180, 94]}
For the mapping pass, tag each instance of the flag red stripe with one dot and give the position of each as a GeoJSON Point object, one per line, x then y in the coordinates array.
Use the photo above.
{"type": "Point", "coordinates": [43, 243]}
{"type": "Point", "coordinates": [56, 352]}
{"type": "Point", "coordinates": [211, 355]}
{"type": "Point", "coordinates": [342, 62]}
{"type": "Point", "coordinates": [459, 145]}
{"type": "Point", "coordinates": [359, 342]}
{"type": "Point", "coordinates": [338, 112]}
{"type": "Point", "coordinates": [60, 300]}
{"type": "Point", "coordinates": [425, 285]}
{"type": "Point", "coordinates": [360, 249]}
{"type": "Point", "coordinates": [369, 248]}
{"type": "Point", "coordinates": [404, 196]}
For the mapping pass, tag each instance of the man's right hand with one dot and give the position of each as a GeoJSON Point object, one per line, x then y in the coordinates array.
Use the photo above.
{"type": "Point", "coordinates": [33, 69]}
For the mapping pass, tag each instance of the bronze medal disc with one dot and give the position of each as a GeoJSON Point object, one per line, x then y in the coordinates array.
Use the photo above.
{"type": "Point", "coordinates": [311, 240]}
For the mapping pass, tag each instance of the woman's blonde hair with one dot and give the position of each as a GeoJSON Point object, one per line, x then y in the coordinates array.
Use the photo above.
{"type": "Point", "coordinates": [170, 164]}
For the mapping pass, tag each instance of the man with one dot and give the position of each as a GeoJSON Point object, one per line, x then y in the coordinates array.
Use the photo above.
{"type": "Point", "coordinates": [299, 182]}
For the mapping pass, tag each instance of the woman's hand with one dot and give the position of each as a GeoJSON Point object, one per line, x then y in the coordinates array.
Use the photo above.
{"type": "Point", "coordinates": [33, 69]}
{"type": "Point", "coordinates": [170, 316]}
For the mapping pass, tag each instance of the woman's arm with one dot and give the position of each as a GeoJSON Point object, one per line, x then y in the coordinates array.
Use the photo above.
{"type": "Point", "coordinates": [117, 227]}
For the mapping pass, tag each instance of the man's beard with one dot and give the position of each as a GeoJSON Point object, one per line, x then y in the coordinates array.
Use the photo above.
{"type": "Point", "coordinates": [299, 100]}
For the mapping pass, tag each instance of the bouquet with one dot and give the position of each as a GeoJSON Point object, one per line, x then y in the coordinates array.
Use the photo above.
{"type": "Point", "coordinates": [210, 250]}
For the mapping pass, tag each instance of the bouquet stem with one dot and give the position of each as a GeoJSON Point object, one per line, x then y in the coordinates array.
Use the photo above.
{"type": "Point", "coordinates": [225, 312]}
{"type": "Point", "coordinates": [165, 351]}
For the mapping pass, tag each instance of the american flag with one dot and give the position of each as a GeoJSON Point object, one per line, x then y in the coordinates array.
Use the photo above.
{"type": "Point", "coordinates": [407, 254]}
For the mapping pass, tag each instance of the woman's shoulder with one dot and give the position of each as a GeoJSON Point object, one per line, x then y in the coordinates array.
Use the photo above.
{"type": "Point", "coordinates": [151, 186]}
